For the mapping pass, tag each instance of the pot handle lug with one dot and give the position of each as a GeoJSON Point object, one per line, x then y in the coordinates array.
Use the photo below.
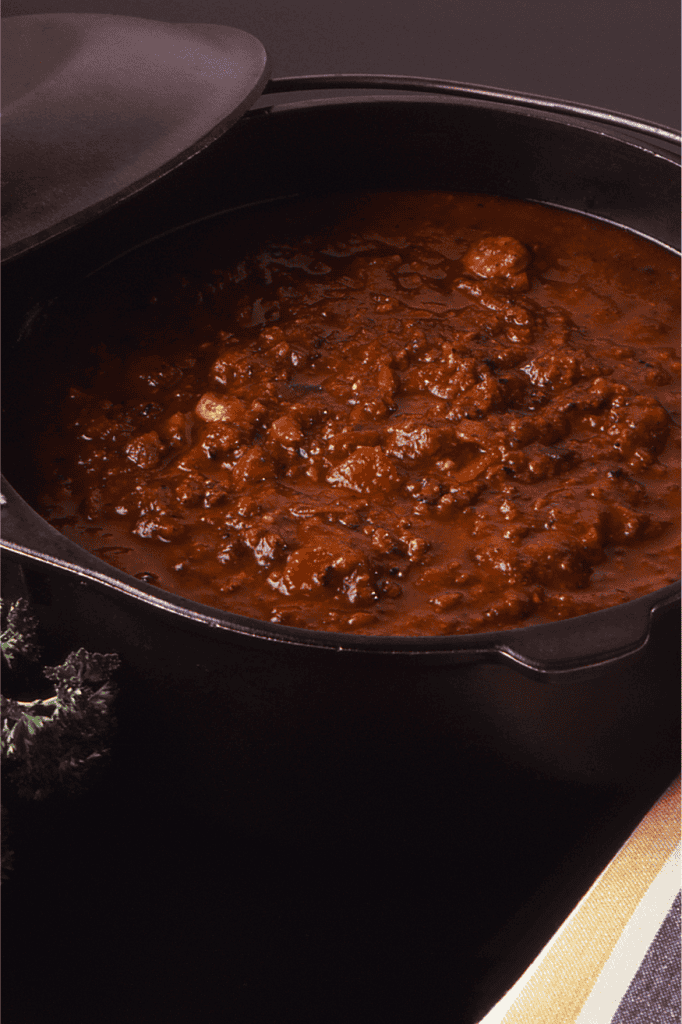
{"type": "Point", "coordinates": [590, 641]}
{"type": "Point", "coordinates": [24, 529]}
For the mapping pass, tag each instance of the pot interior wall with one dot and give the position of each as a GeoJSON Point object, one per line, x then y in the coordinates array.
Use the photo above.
{"type": "Point", "coordinates": [372, 143]}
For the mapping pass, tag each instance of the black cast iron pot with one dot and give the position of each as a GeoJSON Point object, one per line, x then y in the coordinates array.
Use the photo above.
{"type": "Point", "coordinates": [261, 724]}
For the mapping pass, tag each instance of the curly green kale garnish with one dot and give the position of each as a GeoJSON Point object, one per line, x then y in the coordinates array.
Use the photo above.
{"type": "Point", "coordinates": [18, 632]}
{"type": "Point", "coordinates": [55, 744]}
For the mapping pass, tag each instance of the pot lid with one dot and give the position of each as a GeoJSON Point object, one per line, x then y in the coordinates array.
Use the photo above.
{"type": "Point", "coordinates": [97, 107]}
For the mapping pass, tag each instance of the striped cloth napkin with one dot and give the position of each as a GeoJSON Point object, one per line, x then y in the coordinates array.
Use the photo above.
{"type": "Point", "coordinates": [616, 958]}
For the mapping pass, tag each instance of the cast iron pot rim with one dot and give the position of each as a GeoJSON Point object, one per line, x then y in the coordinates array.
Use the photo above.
{"type": "Point", "coordinates": [467, 91]}
{"type": "Point", "coordinates": [627, 626]}
{"type": "Point", "coordinates": [630, 623]}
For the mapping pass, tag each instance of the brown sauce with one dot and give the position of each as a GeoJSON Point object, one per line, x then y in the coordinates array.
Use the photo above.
{"type": "Point", "coordinates": [408, 414]}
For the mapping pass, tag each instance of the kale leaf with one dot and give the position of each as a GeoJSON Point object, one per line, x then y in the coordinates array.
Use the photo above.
{"type": "Point", "coordinates": [55, 744]}
{"type": "Point", "coordinates": [18, 633]}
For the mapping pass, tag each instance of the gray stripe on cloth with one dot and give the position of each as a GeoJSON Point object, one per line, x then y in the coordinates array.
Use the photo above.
{"type": "Point", "coordinates": [653, 996]}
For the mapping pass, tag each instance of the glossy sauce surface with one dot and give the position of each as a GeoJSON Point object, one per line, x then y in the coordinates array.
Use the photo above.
{"type": "Point", "coordinates": [407, 414]}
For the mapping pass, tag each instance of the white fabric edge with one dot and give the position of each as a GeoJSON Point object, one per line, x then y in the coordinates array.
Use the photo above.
{"type": "Point", "coordinates": [645, 922]}
{"type": "Point", "coordinates": [633, 945]}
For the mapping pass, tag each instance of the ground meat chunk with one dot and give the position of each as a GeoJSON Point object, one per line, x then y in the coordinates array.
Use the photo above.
{"type": "Point", "coordinates": [285, 431]}
{"type": "Point", "coordinates": [536, 462]}
{"type": "Point", "coordinates": [162, 526]}
{"type": "Point", "coordinates": [367, 471]}
{"type": "Point", "coordinates": [190, 491]}
{"type": "Point", "coordinates": [617, 485]}
{"type": "Point", "coordinates": [266, 545]}
{"type": "Point", "coordinates": [349, 440]}
{"type": "Point", "coordinates": [146, 450]}
{"type": "Point", "coordinates": [413, 438]}
{"type": "Point", "coordinates": [496, 256]}
{"type": "Point", "coordinates": [560, 369]}
{"type": "Point", "coordinates": [332, 565]}
{"type": "Point", "coordinates": [542, 560]}
{"type": "Point", "coordinates": [253, 466]}
{"type": "Point", "coordinates": [176, 430]}
{"type": "Point", "coordinates": [215, 408]}
{"type": "Point", "coordinates": [220, 440]}
{"type": "Point", "coordinates": [638, 426]}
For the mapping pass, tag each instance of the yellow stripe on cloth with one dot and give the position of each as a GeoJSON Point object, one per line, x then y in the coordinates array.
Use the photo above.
{"type": "Point", "coordinates": [558, 983]}
{"type": "Point", "coordinates": [633, 945]}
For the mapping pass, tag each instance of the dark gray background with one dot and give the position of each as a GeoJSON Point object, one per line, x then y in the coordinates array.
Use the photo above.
{"type": "Point", "coordinates": [618, 54]}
